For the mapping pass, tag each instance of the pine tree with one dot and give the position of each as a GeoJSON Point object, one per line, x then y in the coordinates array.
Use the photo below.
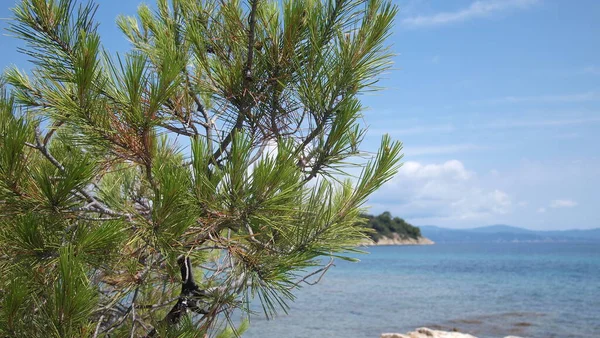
{"type": "Point", "coordinates": [154, 193]}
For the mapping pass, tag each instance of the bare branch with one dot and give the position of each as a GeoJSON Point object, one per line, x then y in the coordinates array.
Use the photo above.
{"type": "Point", "coordinates": [120, 321]}
{"type": "Point", "coordinates": [322, 272]}
{"type": "Point", "coordinates": [98, 327]}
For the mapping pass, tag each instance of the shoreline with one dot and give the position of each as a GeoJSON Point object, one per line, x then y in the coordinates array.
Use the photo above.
{"type": "Point", "coordinates": [398, 240]}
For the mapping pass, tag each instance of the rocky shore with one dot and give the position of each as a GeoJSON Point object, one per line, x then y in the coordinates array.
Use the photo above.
{"type": "Point", "coordinates": [395, 239]}
{"type": "Point", "coordinates": [429, 333]}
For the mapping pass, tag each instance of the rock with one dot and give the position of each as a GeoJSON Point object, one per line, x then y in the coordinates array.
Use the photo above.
{"type": "Point", "coordinates": [424, 332]}
{"type": "Point", "coordinates": [395, 239]}
{"type": "Point", "coordinates": [427, 333]}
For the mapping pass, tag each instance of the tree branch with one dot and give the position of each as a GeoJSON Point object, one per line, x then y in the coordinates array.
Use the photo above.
{"type": "Point", "coordinates": [251, 36]}
{"type": "Point", "coordinates": [247, 100]}
{"type": "Point", "coordinates": [99, 207]}
{"type": "Point", "coordinates": [98, 327]}
{"type": "Point", "coordinates": [322, 271]}
{"type": "Point", "coordinates": [190, 293]}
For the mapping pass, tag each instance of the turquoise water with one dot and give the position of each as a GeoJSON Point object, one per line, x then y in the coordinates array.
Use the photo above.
{"type": "Point", "coordinates": [489, 290]}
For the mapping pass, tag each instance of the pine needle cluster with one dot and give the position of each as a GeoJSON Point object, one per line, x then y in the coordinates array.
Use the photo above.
{"type": "Point", "coordinates": [157, 192]}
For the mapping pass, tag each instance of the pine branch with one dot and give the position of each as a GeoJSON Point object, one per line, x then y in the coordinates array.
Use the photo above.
{"type": "Point", "coordinates": [97, 205]}
{"type": "Point", "coordinates": [253, 221]}
{"type": "Point", "coordinates": [188, 297]}
{"type": "Point", "coordinates": [247, 100]}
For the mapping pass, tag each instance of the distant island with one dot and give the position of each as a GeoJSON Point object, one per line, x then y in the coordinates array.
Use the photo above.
{"type": "Point", "coordinates": [388, 230]}
{"type": "Point", "coordinates": [505, 234]}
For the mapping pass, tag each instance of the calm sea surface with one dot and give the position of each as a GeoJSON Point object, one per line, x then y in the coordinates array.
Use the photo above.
{"type": "Point", "coordinates": [489, 290]}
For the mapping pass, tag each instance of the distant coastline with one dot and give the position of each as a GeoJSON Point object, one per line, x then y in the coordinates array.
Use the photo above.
{"type": "Point", "coordinates": [508, 234]}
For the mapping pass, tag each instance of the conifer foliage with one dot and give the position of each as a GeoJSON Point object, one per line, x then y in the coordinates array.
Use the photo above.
{"type": "Point", "coordinates": [155, 192]}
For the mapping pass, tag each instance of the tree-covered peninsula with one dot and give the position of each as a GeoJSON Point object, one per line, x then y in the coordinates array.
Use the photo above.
{"type": "Point", "coordinates": [384, 225]}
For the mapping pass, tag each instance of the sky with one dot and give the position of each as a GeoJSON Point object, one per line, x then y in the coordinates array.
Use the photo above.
{"type": "Point", "coordinates": [497, 103]}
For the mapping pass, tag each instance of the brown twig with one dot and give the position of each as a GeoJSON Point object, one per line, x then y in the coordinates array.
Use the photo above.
{"type": "Point", "coordinates": [322, 271]}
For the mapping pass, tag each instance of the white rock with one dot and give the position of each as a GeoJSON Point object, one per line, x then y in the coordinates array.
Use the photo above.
{"type": "Point", "coordinates": [428, 333]}
{"type": "Point", "coordinates": [424, 332]}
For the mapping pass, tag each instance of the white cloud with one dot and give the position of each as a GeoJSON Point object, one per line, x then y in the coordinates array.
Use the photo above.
{"type": "Point", "coordinates": [267, 150]}
{"type": "Point", "coordinates": [441, 191]}
{"type": "Point", "coordinates": [477, 9]}
{"type": "Point", "coordinates": [270, 149]}
{"type": "Point", "coordinates": [500, 202]}
{"type": "Point", "coordinates": [563, 204]}
{"type": "Point", "coordinates": [558, 204]}
{"type": "Point", "coordinates": [453, 169]}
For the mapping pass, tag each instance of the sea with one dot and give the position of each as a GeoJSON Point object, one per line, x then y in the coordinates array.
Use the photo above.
{"type": "Point", "coordinates": [486, 289]}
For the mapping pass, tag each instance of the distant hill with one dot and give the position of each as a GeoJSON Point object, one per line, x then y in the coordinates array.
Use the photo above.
{"type": "Point", "coordinates": [591, 234]}
{"type": "Point", "coordinates": [492, 229]}
{"type": "Point", "coordinates": [506, 233]}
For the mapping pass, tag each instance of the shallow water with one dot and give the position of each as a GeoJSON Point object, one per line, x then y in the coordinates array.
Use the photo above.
{"type": "Point", "coordinates": [489, 290]}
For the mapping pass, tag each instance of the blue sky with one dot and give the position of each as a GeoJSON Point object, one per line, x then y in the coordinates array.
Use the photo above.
{"type": "Point", "coordinates": [497, 103]}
